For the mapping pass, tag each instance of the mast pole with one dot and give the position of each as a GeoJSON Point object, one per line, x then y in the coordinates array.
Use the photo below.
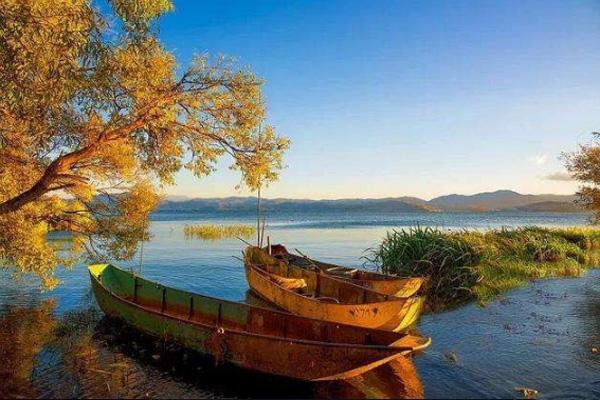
{"type": "Point", "coordinates": [258, 218]}
{"type": "Point", "coordinates": [142, 249]}
{"type": "Point", "coordinates": [258, 191]}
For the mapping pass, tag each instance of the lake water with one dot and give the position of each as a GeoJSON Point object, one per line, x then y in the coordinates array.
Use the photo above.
{"type": "Point", "coordinates": [540, 336]}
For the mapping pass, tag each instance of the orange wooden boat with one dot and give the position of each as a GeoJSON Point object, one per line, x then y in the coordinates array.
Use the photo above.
{"type": "Point", "coordinates": [316, 295]}
{"type": "Point", "coordinates": [248, 336]}
{"type": "Point", "coordinates": [386, 284]}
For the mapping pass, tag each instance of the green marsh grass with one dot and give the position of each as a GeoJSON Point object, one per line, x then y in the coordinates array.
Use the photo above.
{"type": "Point", "coordinates": [473, 265]}
{"type": "Point", "coordinates": [218, 232]}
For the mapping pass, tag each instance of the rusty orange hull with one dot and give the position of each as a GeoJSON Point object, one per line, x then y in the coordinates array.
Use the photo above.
{"type": "Point", "coordinates": [399, 287]}
{"type": "Point", "coordinates": [247, 336]}
{"type": "Point", "coordinates": [376, 311]}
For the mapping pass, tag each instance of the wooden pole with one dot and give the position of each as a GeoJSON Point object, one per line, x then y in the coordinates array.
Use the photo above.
{"type": "Point", "coordinates": [258, 233]}
{"type": "Point", "coordinates": [142, 250]}
{"type": "Point", "coordinates": [262, 233]}
{"type": "Point", "coordinates": [258, 218]}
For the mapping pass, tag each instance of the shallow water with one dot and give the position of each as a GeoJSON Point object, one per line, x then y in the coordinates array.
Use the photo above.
{"type": "Point", "coordinates": [540, 336]}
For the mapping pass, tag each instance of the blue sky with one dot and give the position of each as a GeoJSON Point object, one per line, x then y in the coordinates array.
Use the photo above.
{"type": "Point", "coordinates": [391, 98]}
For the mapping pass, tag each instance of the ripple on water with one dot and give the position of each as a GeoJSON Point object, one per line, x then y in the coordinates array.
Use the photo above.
{"type": "Point", "coordinates": [539, 336]}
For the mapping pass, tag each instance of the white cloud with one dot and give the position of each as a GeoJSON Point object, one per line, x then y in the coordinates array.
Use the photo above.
{"type": "Point", "coordinates": [539, 159]}
{"type": "Point", "coordinates": [559, 176]}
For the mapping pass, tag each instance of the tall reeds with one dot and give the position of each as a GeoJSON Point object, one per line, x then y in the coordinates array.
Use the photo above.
{"type": "Point", "coordinates": [218, 232]}
{"type": "Point", "coordinates": [467, 265]}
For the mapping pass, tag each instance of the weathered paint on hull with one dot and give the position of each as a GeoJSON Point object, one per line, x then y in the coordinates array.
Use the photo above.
{"type": "Point", "coordinates": [403, 287]}
{"type": "Point", "coordinates": [399, 287]}
{"type": "Point", "coordinates": [395, 314]}
{"type": "Point", "coordinates": [295, 358]}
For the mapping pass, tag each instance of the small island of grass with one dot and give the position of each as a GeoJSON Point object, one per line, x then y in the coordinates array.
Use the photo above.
{"type": "Point", "coordinates": [472, 265]}
{"type": "Point", "coordinates": [218, 232]}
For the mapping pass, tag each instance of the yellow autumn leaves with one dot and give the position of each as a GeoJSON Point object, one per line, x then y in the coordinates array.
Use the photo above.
{"type": "Point", "coordinates": [95, 120]}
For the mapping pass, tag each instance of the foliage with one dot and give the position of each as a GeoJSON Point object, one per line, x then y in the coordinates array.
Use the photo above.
{"type": "Point", "coordinates": [217, 232]}
{"type": "Point", "coordinates": [584, 166]}
{"type": "Point", "coordinates": [95, 119]}
{"type": "Point", "coordinates": [467, 265]}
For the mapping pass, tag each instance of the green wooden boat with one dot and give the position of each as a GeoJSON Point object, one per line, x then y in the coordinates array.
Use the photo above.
{"type": "Point", "coordinates": [248, 336]}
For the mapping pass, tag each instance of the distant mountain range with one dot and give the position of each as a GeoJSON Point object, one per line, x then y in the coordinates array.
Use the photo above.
{"type": "Point", "coordinates": [501, 200]}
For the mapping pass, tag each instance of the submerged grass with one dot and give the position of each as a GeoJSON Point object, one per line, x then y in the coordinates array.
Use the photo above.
{"type": "Point", "coordinates": [218, 232]}
{"type": "Point", "coordinates": [473, 265]}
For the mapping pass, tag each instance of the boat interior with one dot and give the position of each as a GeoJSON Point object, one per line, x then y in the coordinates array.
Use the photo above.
{"type": "Point", "coordinates": [309, 283]}
{"type": "Point", "coordinates": [281, 253]}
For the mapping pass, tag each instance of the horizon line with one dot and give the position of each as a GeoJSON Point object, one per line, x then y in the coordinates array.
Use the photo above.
{"type": "Point", "coordinates": [187, 197]}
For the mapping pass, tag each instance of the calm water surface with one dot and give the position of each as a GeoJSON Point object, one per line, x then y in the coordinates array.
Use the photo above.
{"type": "Point", "coordinates": [540, 336]}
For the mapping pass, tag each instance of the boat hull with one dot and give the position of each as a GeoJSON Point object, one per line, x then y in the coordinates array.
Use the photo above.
{"type": "Point", "coordinates": [395, 314]}
{"type": "Point", "coordinates": [403, 287]}
{"type": "Point", "coordinates": [290, 357]}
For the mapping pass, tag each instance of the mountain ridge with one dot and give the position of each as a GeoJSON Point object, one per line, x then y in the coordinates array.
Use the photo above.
{"type": "Point", "coordinates": [500, 200]}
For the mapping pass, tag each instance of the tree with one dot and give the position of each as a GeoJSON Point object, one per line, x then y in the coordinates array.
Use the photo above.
{"type": "Point", "coordinates": [584, 166]}
{"type": "Point", "coordinates": [95, 118]}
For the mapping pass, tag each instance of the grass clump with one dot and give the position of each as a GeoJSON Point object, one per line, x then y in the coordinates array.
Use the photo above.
{"type": "Point", "coordinates": [473, 265]}
{"type": "Point", "coordinates": [218, 232]}
{"type": "Point", "coordinates": [446, 259]}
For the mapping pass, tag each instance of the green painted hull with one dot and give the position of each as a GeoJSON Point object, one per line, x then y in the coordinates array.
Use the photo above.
{"type": "Point", "coordinates": [247, 336]}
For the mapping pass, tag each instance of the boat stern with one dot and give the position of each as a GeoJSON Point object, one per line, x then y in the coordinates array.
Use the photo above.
{"type": "Point", "coordinates": [409, 287]}
{"type": "Point", "coordinates": [407, 316]}
{"type": "Point", "coordinates": [415, 307]}
{"type": "Point", "coordinates": [96, 270]}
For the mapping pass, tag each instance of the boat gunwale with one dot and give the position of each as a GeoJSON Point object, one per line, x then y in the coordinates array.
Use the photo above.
{"type": "Point", "coordinates": [341, 279]}
{"type": "Point", "coordinates": [371, 278]}
{"type": "Point", "coordinates": [262, 273]}
{"type": "Point", "coordinates": [328, 276]}
{"type": "Point", "coordinates": [384, 277]}
{"type": "Point", "coordinates": [403, 350]}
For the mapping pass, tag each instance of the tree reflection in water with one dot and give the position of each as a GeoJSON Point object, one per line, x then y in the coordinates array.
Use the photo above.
{"type": "Point", "coordinates": [23, 334]}
{"type": "Point", "coordinates": [82, 354]}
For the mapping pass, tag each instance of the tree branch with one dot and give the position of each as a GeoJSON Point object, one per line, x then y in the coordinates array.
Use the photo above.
{"type": "Point", "coordinates": [62, 165]}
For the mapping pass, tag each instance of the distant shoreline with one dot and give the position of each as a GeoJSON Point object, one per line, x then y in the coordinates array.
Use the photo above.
{"type": "Point", "coordinates": [498, 201]}
{"type": "Point", "coordinates": [253, 212]}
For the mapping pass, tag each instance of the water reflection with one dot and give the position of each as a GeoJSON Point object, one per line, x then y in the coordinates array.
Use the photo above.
{"type": "Point", "coordinates": [551, 326]}
{"type": "Point", "coordinates": [83, 354]}
{"type": "Point", "coordinates": [539, 336]}
{"type": "Point", "coordinates": [23, 334]}
{"type": "Point", "coordinates": [590, 325]}
{"type": "Point", "coordinates": [396, 380]}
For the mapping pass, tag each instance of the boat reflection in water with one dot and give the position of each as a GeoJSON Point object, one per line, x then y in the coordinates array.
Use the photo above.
{"type": "Point", "coordinates": [396, 379]}
{"type": "Point", "coordinates": [83, 354]}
